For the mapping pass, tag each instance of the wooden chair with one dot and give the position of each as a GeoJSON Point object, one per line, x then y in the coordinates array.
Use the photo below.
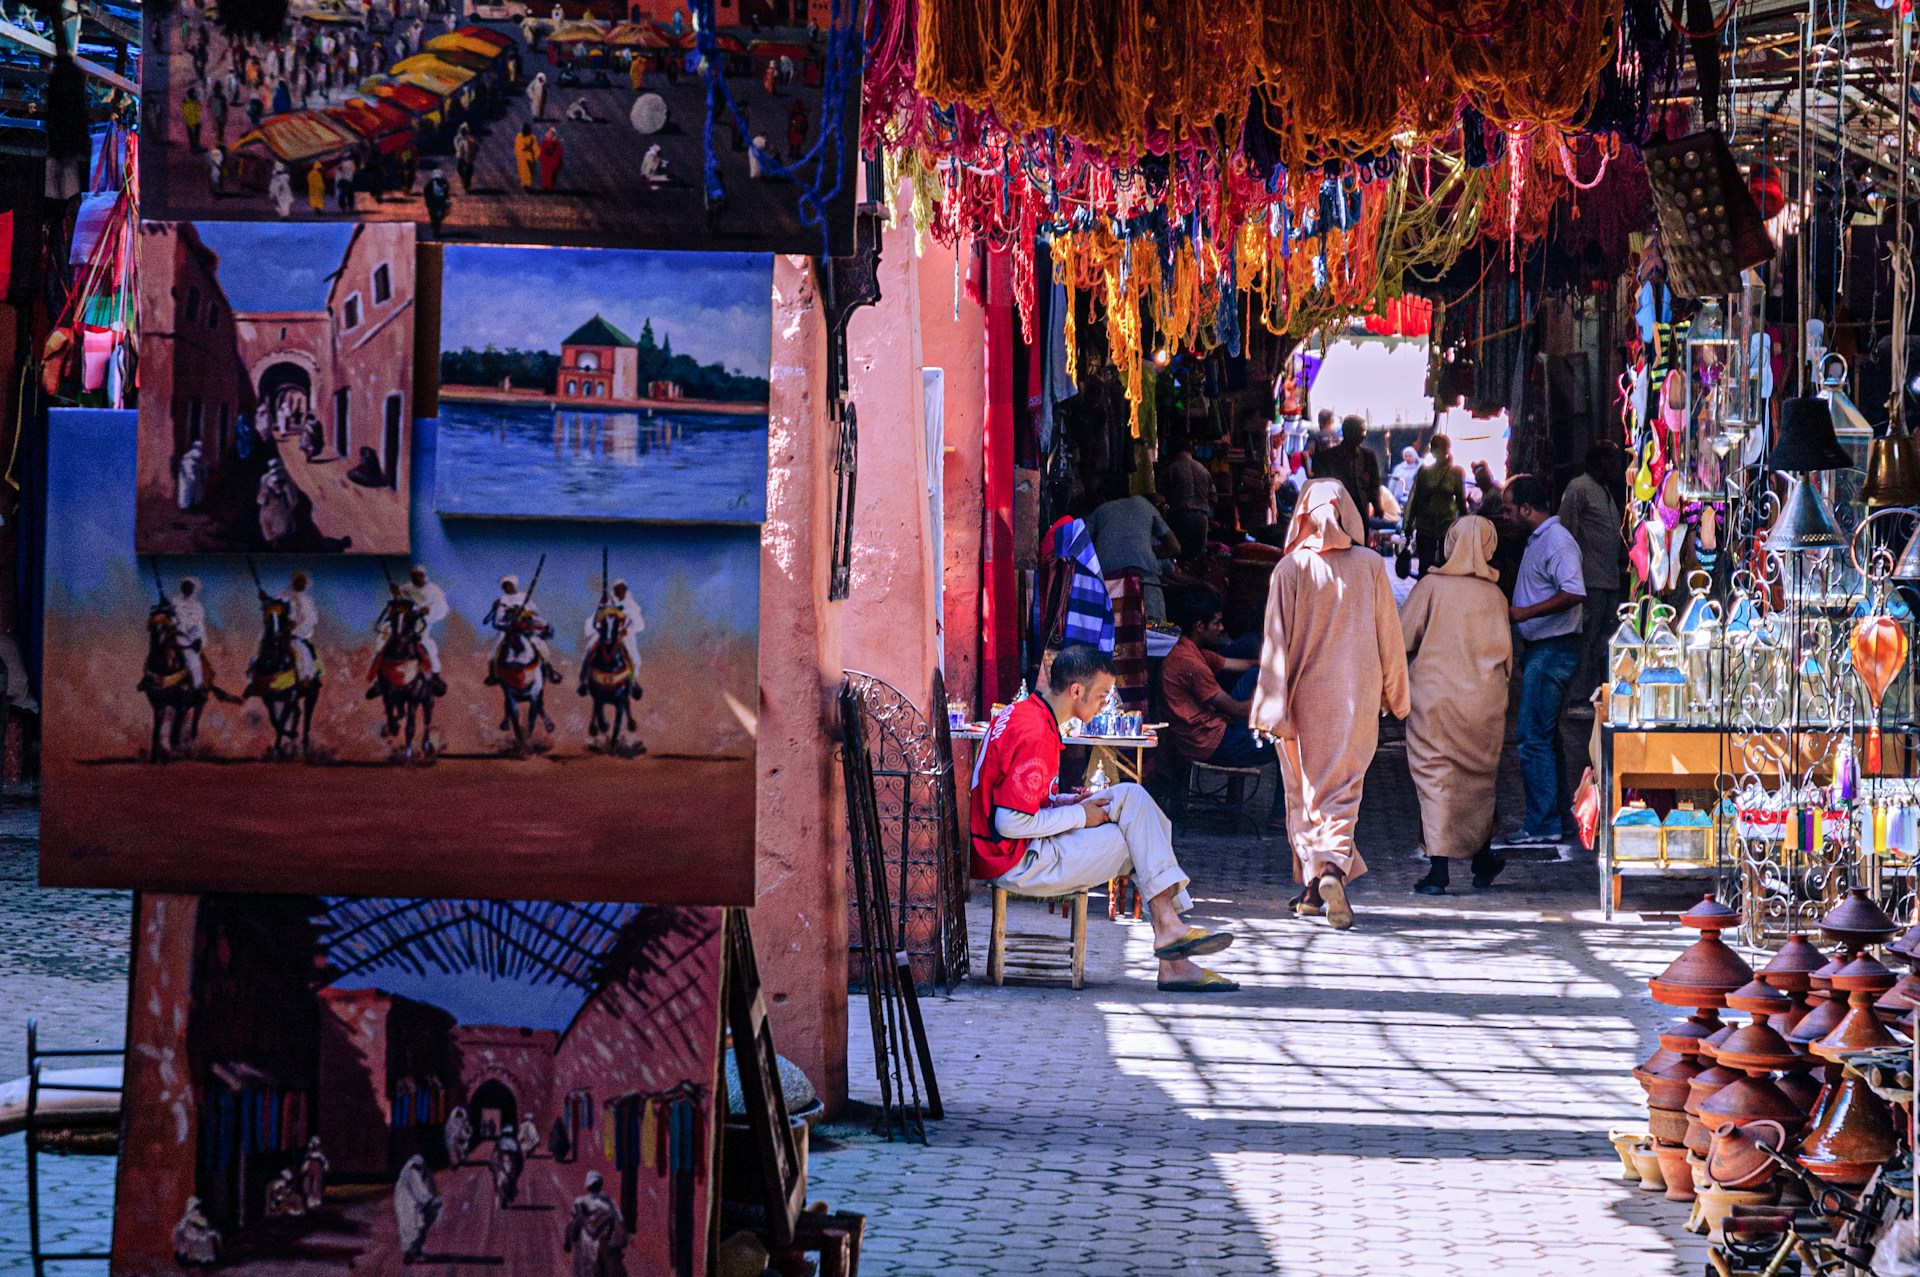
{"type": "Point", "coordinates": [1033, 956]}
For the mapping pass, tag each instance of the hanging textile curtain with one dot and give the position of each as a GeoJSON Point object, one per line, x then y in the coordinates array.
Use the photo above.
{"type": "Point", "coordinates": [1071, 603]}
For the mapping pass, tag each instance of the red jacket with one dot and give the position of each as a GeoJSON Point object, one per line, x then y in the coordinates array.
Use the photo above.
{"type": "Point", "coordinates": [1018, 768]}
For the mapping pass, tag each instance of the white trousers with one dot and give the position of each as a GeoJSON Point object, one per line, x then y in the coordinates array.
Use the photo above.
{"type": "Point", "coordinates": [1138, 841]}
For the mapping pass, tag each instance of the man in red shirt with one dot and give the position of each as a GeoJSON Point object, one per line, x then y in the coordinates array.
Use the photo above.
{"type": "Point", "coordinates": [1208, 723]}
{"type": "Point", "coordinates": [1033, 841]}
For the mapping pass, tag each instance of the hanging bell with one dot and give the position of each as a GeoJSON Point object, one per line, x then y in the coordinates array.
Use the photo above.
{"type": "Point", "coordinates": [1807, 441]}
{"type": "Point", "coordinates": [1805, 522]}
{"type": "Point", "coordinates": [1893, 473]}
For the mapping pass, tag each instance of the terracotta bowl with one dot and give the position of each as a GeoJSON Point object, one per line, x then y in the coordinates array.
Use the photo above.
{"type": "Point", "coordinates": [1624, 1141]}
{"type": "Point", "coordinates": [1717, 1204]}
{"type": "Point", "coordinates": [1647, 1162]}
{"type": "Point", "coordinates": [1674, 1169]}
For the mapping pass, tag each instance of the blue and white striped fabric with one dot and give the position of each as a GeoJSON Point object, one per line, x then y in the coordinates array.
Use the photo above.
{"type": "Point", "coordinates": [1067, 547]}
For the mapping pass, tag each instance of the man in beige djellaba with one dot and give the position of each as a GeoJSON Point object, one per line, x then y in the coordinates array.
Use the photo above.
{"type": "Point", "coordinates": [1461, 655]}
{"type": "Point", "coordinates": [1333, 661]}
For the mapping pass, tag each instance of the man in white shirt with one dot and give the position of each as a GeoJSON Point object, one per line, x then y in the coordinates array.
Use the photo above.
{"type": "Point", "coordinates": [430, 601]}
{"type": "Point", "coordinates": [303, 619]}
{"type": "Point", "coordinates": [1547, 599]}
{"type": "Point", "coordinates": [190, 622]}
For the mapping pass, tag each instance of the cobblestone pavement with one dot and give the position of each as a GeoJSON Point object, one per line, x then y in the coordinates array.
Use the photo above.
{"type": "Point", "coordinates": [64, 960]}
{"type": "Point", "coordinates": [1428, 1093]}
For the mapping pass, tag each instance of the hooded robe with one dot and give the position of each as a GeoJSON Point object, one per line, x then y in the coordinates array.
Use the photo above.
{"type": "Point", "coordinates": [1461, 648]}
{"type": "Point", "coordinates": [1333, 660]}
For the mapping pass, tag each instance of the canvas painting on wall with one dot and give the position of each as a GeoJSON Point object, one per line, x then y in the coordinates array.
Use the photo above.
{"type": "Point", "coordinates": [604, 384]}
{"type": "Point", "coordinates": [511, 122]}
{"type": "Point", "coordinates": [566, 703]}
{"type": "Point", "coordinates": [276, 371]}
{"type": "Point", "coordinates": [330, 1084]}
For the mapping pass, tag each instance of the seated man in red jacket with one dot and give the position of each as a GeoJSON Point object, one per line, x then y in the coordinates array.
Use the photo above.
{"type": "Point", "coordinates": [1035, 842]}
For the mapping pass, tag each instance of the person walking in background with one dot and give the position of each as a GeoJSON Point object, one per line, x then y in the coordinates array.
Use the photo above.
{"type": "Point", "coordinates": [537, 95]}
{"type": "Point", "coordinates": [552, 155]}
{"type": "Point", "coordinates": [1546, 610]}
{"type": "Point", "coordinates": [1189, 490]}
{"type": "Point", "coordinates": [343, 175]}
{"type": "Point", "coordinates": [280, 190]}
{"type": "Point", "coordinates": [526, 154]}
{"type": "Point", "coordinates": [1128, 532]}
{"type": "Point", "coordinates": [317, 189]}
{"type": "Point", "coordinates": [1354, 464]}
{"type": "Point", "coordinates": [1439, 497]}
{"type": "Point", "coordinates": [1489, 504]}
{"type": "Point", "coordinates": [439, 198]}
{"type": "Point", "coordinates": [1589, 512]}
{"type": "Point", "coordinates": [1460, 654]}
{"type": "Point", "coordinates": [190, 116]}
{"type": "Point", "coordinates": [1332, 662]}
{"type": "Point", "coordinates": [217, 114]}
{"type": "Point", "coordinates": [1400, 480]}
{"type": "Point", "coordinates": [466, 150]}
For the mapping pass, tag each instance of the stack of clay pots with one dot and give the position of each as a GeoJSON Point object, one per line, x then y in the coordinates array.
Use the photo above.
{"type": "Point", "coordinates": [1851, 1131]}
{"type": "Point", "coordinates": [1700, 978]}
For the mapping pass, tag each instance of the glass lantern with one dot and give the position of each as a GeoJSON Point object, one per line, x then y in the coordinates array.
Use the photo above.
{"type": "Point", "coordinates": [1703, 653]}
{"type": "Point", "coordinates": [1662, 683]}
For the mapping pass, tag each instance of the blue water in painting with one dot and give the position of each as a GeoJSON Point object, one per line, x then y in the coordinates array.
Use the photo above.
{"type": "Point", "coordinates": [537, 461]}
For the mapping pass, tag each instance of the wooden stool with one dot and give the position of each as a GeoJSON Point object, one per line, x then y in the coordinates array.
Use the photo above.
{"type": "Point", "coordinates": [1034, 956]}
{"type": "Point", "coordinates": [1223, 789]}
{"type": "Point", "coordinates": [1118, 891]}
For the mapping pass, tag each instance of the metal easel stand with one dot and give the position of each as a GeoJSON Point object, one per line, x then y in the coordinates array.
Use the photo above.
{"type": "Point", "coordinates": [36, 1054]}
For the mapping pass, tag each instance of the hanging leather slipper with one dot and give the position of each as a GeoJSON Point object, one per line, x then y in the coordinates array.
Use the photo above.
{"type": "Point", "coordinates": [1209, 982]}
{"type": "Point", "coordinates": [1197, 943]}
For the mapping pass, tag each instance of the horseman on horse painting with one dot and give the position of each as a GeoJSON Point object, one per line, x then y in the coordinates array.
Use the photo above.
{"type": "Point", "coordinates": [402, 676]}
{"type": "Point", "coordinates": [284, 673]}
{"type": "Point", "coordinates": [521, 666]}
{"type": "Point", "coordinates": [167, 679]}
{"type": "Point", "coordinates": [610, 672]}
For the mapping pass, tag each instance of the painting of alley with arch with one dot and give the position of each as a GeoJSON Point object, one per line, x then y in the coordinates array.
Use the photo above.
{"type": "Point", "coordinates": [276, 373]}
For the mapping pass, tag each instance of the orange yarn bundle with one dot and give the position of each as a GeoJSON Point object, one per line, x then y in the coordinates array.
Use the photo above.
{"type": "Point", "coordinates": [1343, 76]}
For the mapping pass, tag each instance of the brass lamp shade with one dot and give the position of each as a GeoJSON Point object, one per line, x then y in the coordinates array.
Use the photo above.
{"type": "Point", "coordinates": [1893, 473]}
{"type": "Point", "coordinates": [1805, 522]}
{"type": "Point", "coordinates": [1807, 440]}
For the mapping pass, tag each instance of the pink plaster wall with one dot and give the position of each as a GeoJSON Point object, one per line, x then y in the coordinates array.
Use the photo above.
{"type": "Point", "coordinates": [889, 622]}
{"type": "Point", "coordinates": [800, 915]}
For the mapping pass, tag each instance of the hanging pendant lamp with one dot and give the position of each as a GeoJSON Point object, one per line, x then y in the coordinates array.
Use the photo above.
{"type": "Point", "coordinates": [1893, 473]}
{"type": "Point", "coordinates": [1805, 522]}
{"type": "Point", "coordinates": [1807, 441]}
{"type": "Point", "coordinates": [1907, 566]}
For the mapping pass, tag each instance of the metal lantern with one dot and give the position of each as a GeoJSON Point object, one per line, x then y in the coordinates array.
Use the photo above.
{"type": "Point", "coordinates": [1662, 684]}
{"type": "Point", "coordinates": [1703, 653]}
{"type": "Point", "coordinates": [1626, 654]}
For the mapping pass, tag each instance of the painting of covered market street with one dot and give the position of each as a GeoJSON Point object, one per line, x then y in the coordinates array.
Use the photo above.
{"type": "Point", "coordinates": [328, 1084]}
{"type": "Point", "coordinates": [575, 122]}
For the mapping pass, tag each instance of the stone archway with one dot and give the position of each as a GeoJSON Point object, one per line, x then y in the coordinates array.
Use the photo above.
{"type": "Point", "coordinates": [492, 1109]}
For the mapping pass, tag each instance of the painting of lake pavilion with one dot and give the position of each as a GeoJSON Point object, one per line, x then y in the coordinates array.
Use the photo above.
{"type": "Point", "coordinates": [580, 383]}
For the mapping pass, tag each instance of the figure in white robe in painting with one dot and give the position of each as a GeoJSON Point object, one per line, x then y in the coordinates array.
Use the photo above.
{"type": "Point", "coordinates": [596, 1235]}
{"type": "Point", "coordinates": [303, 618]}
{"type": "Point", "coordinates": [430, 601]}
{"type": "Point", "coordinates": [529, 1137]}
{"type": "Point", "coordinates": [501, 617]}
{"type": "Point", "coordinates": [635, 622]}
{"type": "Point", "coordinates": [506, 1164]}
{"type": "Point", "coordinates": [283, 1197]}
{"type": "Point", "coordinates": [190, 623]}
{"type": "Point", "coordinates": [415, 1207]}
{"type": "Point", "coordinates": [196, 1242]}
{"type": "Point", "coordinates": [313, 1174]}
{"type": "Point", "coordinates": [276, 501]}
{"type": "Point", "coordinates": [459, 1136]}
{"type": "Point", "coordinates": [190, 476]}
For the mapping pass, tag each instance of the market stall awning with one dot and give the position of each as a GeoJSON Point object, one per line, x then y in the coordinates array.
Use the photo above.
{"type": "Point", "coordinates": [773, 50]}
{"type": "Point", "coordinates": [475, 62]}
{"type": "Point", "coordinates": [299, 136]}
{"type": "Point", "coordinates": [434, 76]}
{"type": "Point", "coordinates": [337, 11]}
{"type": "Point", "coordinates": [408, 97]}
{"type": "Point", "coordinates": [375, 119]}
{"type": "Point", "coordinates": [577, 33]}
{"type": "Point", "coordinates": [460, 42]}
{"type": "Point", "coordinates": [636, 35]}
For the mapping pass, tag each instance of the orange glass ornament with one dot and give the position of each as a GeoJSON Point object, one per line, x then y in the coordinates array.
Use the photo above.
{"type": "Point", "coordinates": [1879, 647]}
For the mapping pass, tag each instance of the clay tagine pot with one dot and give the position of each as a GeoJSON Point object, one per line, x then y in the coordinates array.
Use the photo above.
{"type": "Point", "coordinates": [1854, 1137]}
{"type": "Point", "coordinates": [1756, 1050]}
{"type": "Point", "coordinates": [1863, 980]}
{"type": "Point", "coordinates": [1736, 1160]}
{"type": "Point", "coordinates": [1791, 972]}
{"type": "Point", "coordinates": [1857, 921]}
{"type": "Point", "coordinates": [1669, 1126]}
{"type": "Point", "coordinates": [1827, 1011]}
{"type": "Point", "coordinates": [1667, 1088]}
{"type": "Point", "coordinates": [1707, 970]}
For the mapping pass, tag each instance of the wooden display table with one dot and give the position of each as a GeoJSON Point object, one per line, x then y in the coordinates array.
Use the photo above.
{"type": "Point", "coordinates": [1696, 758]}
